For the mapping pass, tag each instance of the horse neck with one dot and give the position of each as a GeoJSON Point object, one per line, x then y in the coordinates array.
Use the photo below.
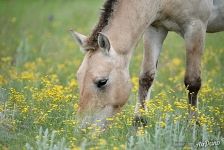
{"type": "Point", "coordinates": [129, 21]}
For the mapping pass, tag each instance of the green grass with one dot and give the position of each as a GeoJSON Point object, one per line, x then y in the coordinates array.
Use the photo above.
{"type": "Point", "coordinates": [39, 94]}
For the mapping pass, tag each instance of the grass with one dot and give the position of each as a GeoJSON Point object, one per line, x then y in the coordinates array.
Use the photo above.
{"type": "Point", "coordinates": [39, 94]}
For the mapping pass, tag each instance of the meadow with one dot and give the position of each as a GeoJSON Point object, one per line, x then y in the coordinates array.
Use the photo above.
{"type": "Point", "coordinates": [39, 91]}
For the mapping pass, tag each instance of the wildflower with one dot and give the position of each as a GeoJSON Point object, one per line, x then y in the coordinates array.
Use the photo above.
{"type": "Point", "coordinates": [162, 124]}
{"type": "Point", "coordinates": [16, 96]}
{"type": "Point", "coordinates": [72, 83]}
{"type": "Point", "coordinates": [177, 118]}
{"type": "Point", "coordinates": [109, 119]}
{"type": "Point", "coordinates": [102, 142]}
{"type": "Point", "coordinates": [75, 106]}
{"type": "Point", "coordinates": [31, 66]}
{"type": "Point", "coordinates": [140, 131]}
{"type": "Point", "coordinates": [6, 60]}
{"type": "Point", "coordinates": [2, 80]}
{"type": "Point", "coordinates": [61, 66]}
{"type": "Point", "coordinates": [203, 119]}
{"type": "Point", "coordinates": [135, 83]}
{"type": "Point", "coordinates": [122, 146]}
{"type": "Point", "coordinates": [24, 109]}
{"type": "Point", "coordinates": [176, 61]}
{"type": "Point", "coordinates": [74, 147]}
{"type": "Point", "coordinates": [168, 108]}
{"type": "Point", "coordinates": [180, 105]}
{"type": "Point", "coordinates": [115, 148]}
{"type": "Point", "coordinates": [27, 75]}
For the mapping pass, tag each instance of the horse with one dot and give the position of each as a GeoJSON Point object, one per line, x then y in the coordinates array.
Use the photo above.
{"type": "Point", "coordinates": [103, 76]}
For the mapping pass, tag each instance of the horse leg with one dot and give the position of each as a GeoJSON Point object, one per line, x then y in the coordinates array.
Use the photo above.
{"type": "Point", "coordinates": [153, 40]}
{"type": "Point", "coordinates": [194, 40]}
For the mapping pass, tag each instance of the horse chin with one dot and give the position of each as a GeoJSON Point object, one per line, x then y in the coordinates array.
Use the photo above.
{"type": "Point", "coordinates": [99, 118]}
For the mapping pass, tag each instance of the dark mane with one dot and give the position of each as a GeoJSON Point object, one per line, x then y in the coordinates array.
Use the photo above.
{"type": "Point", "coordinates": [107, 12]}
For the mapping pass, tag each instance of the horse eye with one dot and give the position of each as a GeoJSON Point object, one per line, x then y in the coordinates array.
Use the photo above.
{"type": "Point", "coordinates": [101, 83]}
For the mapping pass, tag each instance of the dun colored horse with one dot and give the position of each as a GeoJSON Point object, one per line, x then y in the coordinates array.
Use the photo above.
{"type": "Point", "coordinates": [103, 76]}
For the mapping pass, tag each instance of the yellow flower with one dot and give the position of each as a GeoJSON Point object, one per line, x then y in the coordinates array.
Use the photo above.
{"type": "Point", "coordinates": [24, 109]}
{"type": "Point", "coordinates": [177, 118]}
{"type": "Point", "coordinates": [102, 142]}
{"type": "Point", "coordinates": [109, 119]}
{"type": "Point", "coordinates": [2, 80]}
{"type": "Point", "coordinates": [6, 60]}
{"type": "Point", "coordinates": [122, 146]}
{"type": "Point", "coordinates": [72, 83]}
{"type": "Point", "coordinates": [30, 66]}
{"type": "Point", "coordinates": [16, 96]}
{"type": "Point", "coordinates": [176, 61]}
{"type": "Point", "coordinates": [1, 108]}
{"type": "Point", "coordinates": [187, 147]}
{"type": "Point", "coordinates": [27, 76]}
{"type": "Point", "coordinates": [75, 106]}
{"type": "Point", "coordinates": [135, 83]}
{"type": "Point", "coordinates": [115, 148]}
{"type": "Point", "coordinates": [180, 105]}
{"type": "Point", "coordinates": [61, 66]}
{"type": "Point", "coordinates": [140, 131]}
{"type": "Point", "coordinates": [203, 119]}
{"type": "Point", "coordinates": [162, 124]}
{"type": "Point", "coordinates": [168, 108]}
{"type": "Point", "coordinates": [76, 148]}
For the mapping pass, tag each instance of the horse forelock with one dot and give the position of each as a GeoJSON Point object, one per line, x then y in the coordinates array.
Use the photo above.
{"type": "Point", "coordinates": [107, 12]}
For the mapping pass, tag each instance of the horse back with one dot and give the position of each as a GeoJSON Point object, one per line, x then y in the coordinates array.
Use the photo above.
{"type": "Point", "coordinates": [175, 15]}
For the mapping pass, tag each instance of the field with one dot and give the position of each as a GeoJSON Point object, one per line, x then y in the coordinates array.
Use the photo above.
{"type": "Point", "coordinates": [39, 93]}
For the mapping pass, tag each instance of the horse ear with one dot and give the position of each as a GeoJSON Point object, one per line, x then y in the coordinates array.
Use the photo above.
{"type": "Point", "coordinates": [80, 39]}
{"type": "Point", "coordinates": [104, 43]}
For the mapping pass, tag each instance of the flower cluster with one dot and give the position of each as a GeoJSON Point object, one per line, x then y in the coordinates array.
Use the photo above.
{"type": "Point", "coordinates": [35, 96]}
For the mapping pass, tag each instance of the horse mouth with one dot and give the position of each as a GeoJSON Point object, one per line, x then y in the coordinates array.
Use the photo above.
{"type": "Point", "coordinates": [99, 118]}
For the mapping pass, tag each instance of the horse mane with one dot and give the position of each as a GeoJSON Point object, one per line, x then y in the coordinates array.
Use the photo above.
{"type": "Point", "coordinates": [107, 12]}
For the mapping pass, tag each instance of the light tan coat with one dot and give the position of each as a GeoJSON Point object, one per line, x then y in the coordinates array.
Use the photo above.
{"type": "Point", "coordinates": [104, 73]}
